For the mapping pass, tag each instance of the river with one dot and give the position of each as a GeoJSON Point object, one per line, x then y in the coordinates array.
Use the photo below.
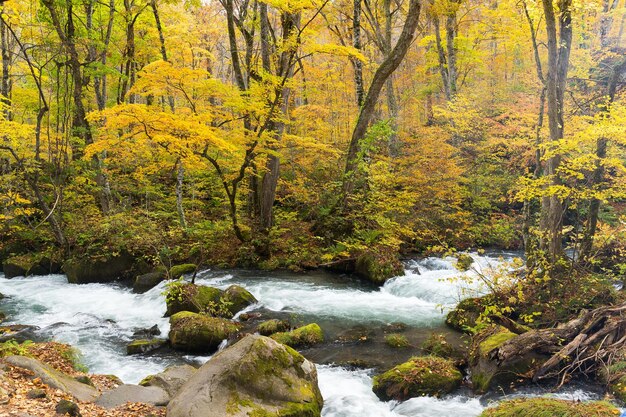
{"type": "Point", "coordinates": [100, 319]}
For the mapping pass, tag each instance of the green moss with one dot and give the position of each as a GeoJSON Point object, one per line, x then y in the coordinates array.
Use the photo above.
{"type": "Point", "coordinates": [269, 327]}
{"type": "Point", "coordinates": [181, 296]}
{"type": "Point", "coordinates": [146, 381]}
{"type": "Point", "coordinates": [379, 266]}
{"type": "Point", "coordinates": [495, 341]}
{"type": "Point", "coordinates": [397, 341]}
{"type": "Point", "coordinates": [463, 262]}
{"type": "Point", "coordinates": [237, 298]}
{"type": "Point", "coordinates": [143, 346]}
{"type": "Point", "coordinates": [549, 407]}
{"type": "Point", "coordinates": [304, 336]}
{"type": "Point", "coordinates": [464, 315]}
{"type": "Point", "coordinates": [420, 376]}
{"type": "Point", "coordinates": [178, 271]}
{"type": "Point", "coordinates": [437, 345]}
{"type": "Point", "coordinates": [198, 332]}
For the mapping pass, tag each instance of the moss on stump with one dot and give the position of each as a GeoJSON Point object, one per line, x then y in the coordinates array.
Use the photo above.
{"type": "Point", "coordinates": [419, 376]}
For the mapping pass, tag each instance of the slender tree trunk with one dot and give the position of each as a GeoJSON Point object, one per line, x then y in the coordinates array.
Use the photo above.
{"type": "Point", "coordinates": [157, 20]}
{"type": "Point", "coordinates": [5, 85]}
{"type": "Point", "coordinates": [356, 43]}
{"type": "Point", "coordinates": [180, 177]}
{"type": "Point", "coordinates": [392, 102]}
{"type": "Point", "coordinates": [559, 47]}
{"type": "Point", "coordinates": [451, 34]}
{"type": "Point", "coordinates": [387, 67]}
{"type": "Point", "coordinates": [441, 54]}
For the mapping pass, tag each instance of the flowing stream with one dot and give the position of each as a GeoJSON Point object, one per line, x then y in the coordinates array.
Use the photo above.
{"type": "Point", "coordinates": [100, 320]}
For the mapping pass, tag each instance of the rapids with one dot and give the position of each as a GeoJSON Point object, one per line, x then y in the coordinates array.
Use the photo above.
{"type": "Point", "coordinates": [99, 319]}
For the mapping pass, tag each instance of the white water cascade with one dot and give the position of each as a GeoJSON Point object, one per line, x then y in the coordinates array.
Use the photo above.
{"type": "Point", "coordinates": [100, 319]}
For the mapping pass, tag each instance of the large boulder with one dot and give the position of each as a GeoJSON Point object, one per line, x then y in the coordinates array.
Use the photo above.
{"type": "Point", "coordinates": [86, 270]}
{"type": "Point", "coordinates": [134, 394]}
{"type": "Point", "coordinates": [464, 315]}
{"type": "Point", "coordinates": [426, 375]}
{"type": "Point", "coordinates": [170, 380]}
{"type": "Point", "coordinates": [304, 336]}
{"type": "Point", "coordinates": [378, 266]}
{"type": "Point", "coordinates": [195, 298]}
{"type": "Point", "coordinates": [199, 333]}
{"type": "Point", "coordinates": [178, 271]}
{"type": "Point", "coordinates": [254, 377]}
{"type": "Point", "coordinates": [535, 407]}
{"type": "Point", "coordinates": [485, 372]}
{"type": "Point", "coordinates": [55, 379]}
{"type": "Point", "coordinates": [145, 282]}
{"type": "Point", "coordinates": [237, 298]}
{"type": "Point", "coordinates": [29, 264]}
{"type": "Point", "coordinates": [272, 326]}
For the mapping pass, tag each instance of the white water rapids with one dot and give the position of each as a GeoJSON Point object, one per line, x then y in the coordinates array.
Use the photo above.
{"type": "Point", "coordinates": [100, 319]}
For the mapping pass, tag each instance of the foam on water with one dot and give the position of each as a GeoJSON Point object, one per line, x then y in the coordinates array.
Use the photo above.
{"type": "Point", "coordinates": [349, 394]}
{"type": "Point", "coordinates": [96, 318]}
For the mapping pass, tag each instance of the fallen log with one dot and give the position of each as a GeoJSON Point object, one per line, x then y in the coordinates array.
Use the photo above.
{"type": "Point", "coordinates": [581, 345]}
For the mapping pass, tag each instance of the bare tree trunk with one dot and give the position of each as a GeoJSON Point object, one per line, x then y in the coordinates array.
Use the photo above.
{"type": "Point", "coordinates": [443, 65]}
{"type": "Point", "coordinates": [5, 85]}
{"type": "Point", "coordinates": [387, 67]}
{"type": "Point", "coordinates": [356, 42]}
{"type": "Point", "coordinates": [451, 33]}
{"type": "Point", "coordinates": [157, 20]}
{"type": "Point", "coordinates": [392, 102]}
{"type": "Point", "coordinates": [180, 176]}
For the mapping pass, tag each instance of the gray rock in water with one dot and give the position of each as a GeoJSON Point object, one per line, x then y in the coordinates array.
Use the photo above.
{"type": "Point", "coordinates": [55, 379]}
{"type": "Point", "coordinates": [18, 332]}
{"type": "Point", "coordinates": [144, 346]}
{"type": "Point", "coordinates": [134, 394]}
{"type": "Point", "coordinates": [255, 376]}
{"type": "Point", "coordinates": [171, 380]}
{"type": "Point", "coordinates": [148, 281]}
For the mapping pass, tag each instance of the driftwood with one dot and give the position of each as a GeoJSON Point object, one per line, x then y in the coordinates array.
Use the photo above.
{"type": "Point", "coordinates": [581, 345]}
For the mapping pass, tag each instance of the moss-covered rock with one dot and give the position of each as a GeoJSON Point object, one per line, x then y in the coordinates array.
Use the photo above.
{"type": "Point", "coordinates": [379, 266]}
{"type": "Point", "coordinates": [420, 376]}
{"type": "Point", "coordinates": [194, 298]}
{"type": "Point", "coordinates": [304, 336]}
{"type": "Point", "coordinates": [145, 282]}
{"type": "Point", "coordinates": [486, 373]}
{"type": "Point", "coordinates": [65, 407]}
{"type": "Point", "coordinates": [178, 271]}
{"type": "Point", "coordinates": [463, 262]}
{"type": "Point", "coordinates": [550, 407]}
{"type": "Point", "coordinates": [397, 341]}
{"type": "Point", "coordinates": [28, 264]}
{"type": "Point", "coordinates": [198, 332]}
{"type": "Point", "coordinates": [465, 314]}
{"type": "Point", "coordinates": [87, 270]}
{"type": "Point", "coordinates": [237, 298]}
{"type": "Point", "coordinates": [437, 345]}
{"type": "Point", "coordinates": [270, 327]}
{"type": "Point", "coordinates": [256, 377]}
{"type": "Point", "coordinates": [614, 377]}
{"type": "Point", "coordinates": [143, 346]}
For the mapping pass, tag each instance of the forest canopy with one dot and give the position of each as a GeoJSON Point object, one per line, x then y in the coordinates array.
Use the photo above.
{"type": "Point", "coordinates": [294, 133]}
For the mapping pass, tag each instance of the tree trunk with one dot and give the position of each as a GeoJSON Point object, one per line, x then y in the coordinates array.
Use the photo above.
{"type": "Point", "coordinates": [392, 102]}
{"type": "Point", "coordinates": [5, 85]}
{"type": "Point", "coordinates": [157, 20]}
{"type": "Point", "coordinates": [559, 47]}
{"type": "Point", "coordinates": [388, 66]}
{"type": "Point", "coordinates": [180, 176]}
{"type": "Point", "coordinates": [356, 43]}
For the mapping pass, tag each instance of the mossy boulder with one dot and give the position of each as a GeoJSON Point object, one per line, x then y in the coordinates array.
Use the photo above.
{"type": "Point", "coordinates": [419, 376]}
{"type": "Point", "coordinates": [465, 314]}
{"type": "Point", "coordinates": [144, 346]}
{"type": "Point", "coordinates": [551, 407]}
{"type": "Point", "coordinates": [614, 377]}
{"type": "Point", "coordinates": [199, 333]}
{"type": "Point", "coordinates": [171, 379]}
{"type": "Point", "coordinates": [256, 377]}
{"type": "Point", "coordinates": [378, 267]}
{"type": "Point", "coordinates": [237, 298]}
{"type": "Point", "coordinates": [65, 407]}
{"type": "Point", "coordinates": [145, 282]}
{"type": "Point", "coordinates": [486, 373]}
{"type": "Point", "coordinates": [87, 270]}
{"type": "Point", "coordinates": [178, 271]}
{"type": "Point", "coordinates": [304, 336]}
{"type": "Point", "coordinates": [437, 345]}
{"type": "Point", "coordinates": [397, 341]}
{"type": "Point", "coordinates": [463, 262]}
{"type": "Point", "coordinates": [191, 297]}
{"type": "Point", "coordinates": [29, 264]}
{"type": "Point", "coordinates": [270, 327]}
